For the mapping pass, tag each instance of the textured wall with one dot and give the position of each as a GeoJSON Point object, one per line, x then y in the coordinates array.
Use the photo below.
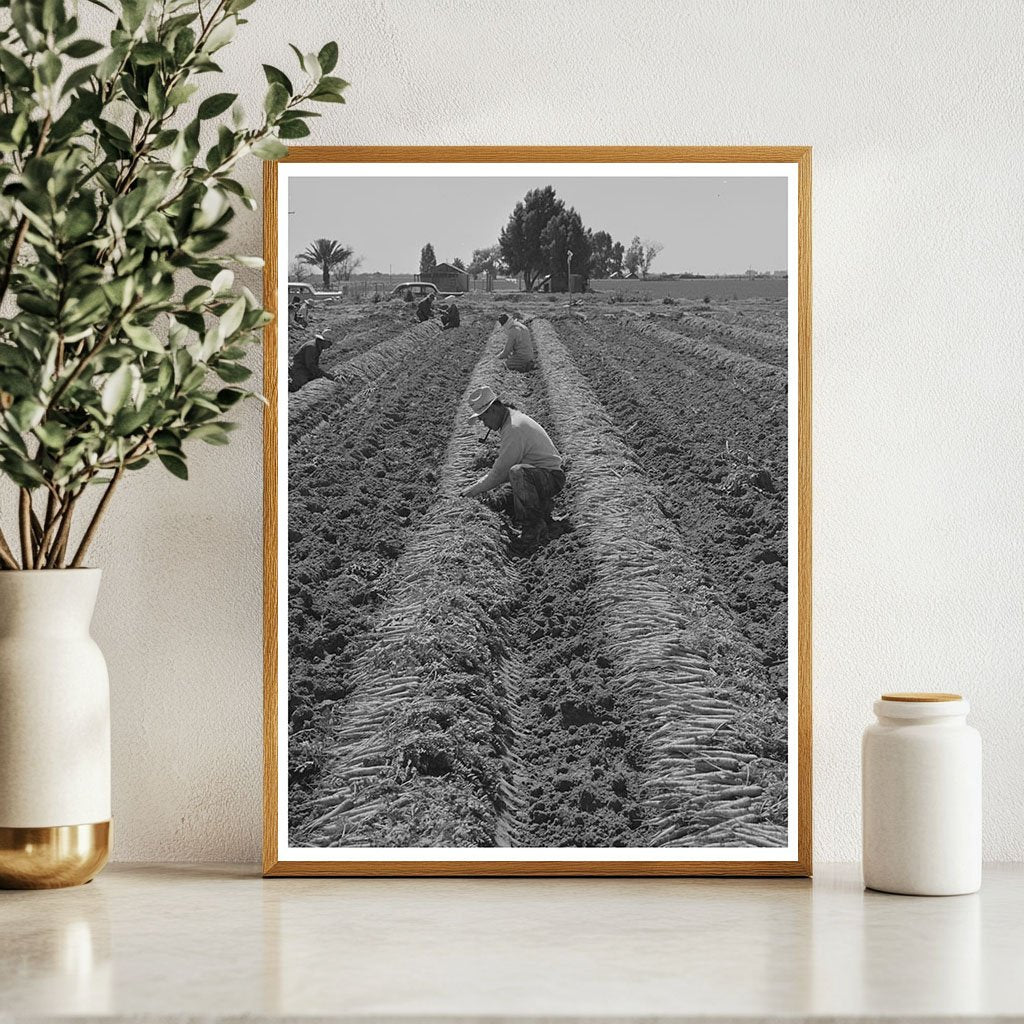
{"type": "Point", "coordinates": [914, 116]}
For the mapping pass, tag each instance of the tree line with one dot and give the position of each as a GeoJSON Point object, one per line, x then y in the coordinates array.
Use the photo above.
{"type": "Point", "coordinates": [536, 243]}
{"type": "Point", "coordinates": [537, 240]}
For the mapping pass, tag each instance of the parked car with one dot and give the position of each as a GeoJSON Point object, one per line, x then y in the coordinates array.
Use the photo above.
{"type": "Point", "coordinates": [416, 289]}
{"type": "Point", "coordinates": [300, 288]}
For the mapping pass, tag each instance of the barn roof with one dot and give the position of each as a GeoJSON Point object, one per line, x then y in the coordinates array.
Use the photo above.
{"type": "Point", "coordinates": [446, 268]}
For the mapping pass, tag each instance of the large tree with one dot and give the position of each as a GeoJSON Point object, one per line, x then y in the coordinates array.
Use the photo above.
{"type": "Point", "coordinates": [615, 261]}
{"type": "Point", "coordinates": [428, 261]}
{"type": "Point", "coordinates": [634, 257]}
{"type": "Point", "coordinates": [488, 261]}
{"type": "Point", "coordinates": [564, 233]}
{"type": "Point", "coordinates": [326, 254]}
{"type": "Point", "coordinates": [521, 241]}
{"type": "Point", "coordinates": [602, 255]}
{"type": "Point", "coordinates": [458, 263]}
{"type": "Point", "coordinates": [650, 251]}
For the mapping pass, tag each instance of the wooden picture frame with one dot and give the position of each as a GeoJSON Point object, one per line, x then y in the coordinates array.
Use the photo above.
{"type": "Point", "coordinates": [794, 164]}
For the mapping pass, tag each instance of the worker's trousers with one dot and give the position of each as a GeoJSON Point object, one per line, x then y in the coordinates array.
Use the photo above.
{"type": "Point", "coordinates": [533, 491]}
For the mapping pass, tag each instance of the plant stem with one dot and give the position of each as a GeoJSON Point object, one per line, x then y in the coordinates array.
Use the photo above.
{"type": "Point", "coordinates": [97, 516]}
{"type": "Point", "coordinates": [6, 554]}
{"type": "Point", "coordinates": [25, 521]}
{"type": "Point", "coordinates": [60, 544]}
{"type": "Point", "coordinates": [85, 359]}
{"type": "Point", "coordinates": [51, 524]}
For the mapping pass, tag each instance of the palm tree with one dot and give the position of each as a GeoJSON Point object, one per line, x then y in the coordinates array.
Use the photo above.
{"type": "Point", "coordinates": [325, 254]}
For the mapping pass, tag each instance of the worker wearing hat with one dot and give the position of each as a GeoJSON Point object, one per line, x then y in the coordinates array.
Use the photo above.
{"type": "Point", "coordinates": [306, 364]}
{"type": "Point", "coordinates": [527, 460]}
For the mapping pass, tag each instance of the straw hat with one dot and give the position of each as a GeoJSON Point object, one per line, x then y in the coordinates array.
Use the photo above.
{"type": "Point", "coordinates": [480, 400]}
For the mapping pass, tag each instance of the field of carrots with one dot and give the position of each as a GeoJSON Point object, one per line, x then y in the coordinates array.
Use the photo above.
{"type": "Point", "coordinates": [623, 684]}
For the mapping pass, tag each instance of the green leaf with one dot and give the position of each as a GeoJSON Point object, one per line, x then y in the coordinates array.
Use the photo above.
{"type": "Point", "coordinates": [175, 464]}
{"type": "Point", "coordinates": [149, 53]}
{"type": "Point", "coordinates": [214, 105]}
{"type": "Point", "coordinates": [83, 48]}
{"type": "Point", "coordinates": [128, 421]}
{"type": "Point", "coordinates": [227, 397]}
{"type": "Point", "coordinates": [323, 96]}
{"type": "Point", "coordinates": [328, 57]}
{"type": "Point", "coordinates": [269, 149]}
{"type": "Point", "coordinates": [181, 94]}
{"type": "Point", "coordinates": [293, 130]}
{"type": "Point", "coordinates": [16, 70]}
{"type": "Point", "coordinates": [49, 68]}
{"type": "Point", "coordinates": [334, 84]}
{"type": "Point", "coordinates": [222, 282]}
{"type": "Point", "coordinates": [211, 433]}
{"type": "Point", "coordinates": [184, 44]}
{"type": "Point", "coordinates": [232, 373]}
{"type": "Point", "coordinates": [274, 75]}
{"type": "Point", "coordinates": [221, 35]}
{"type": "Point", "coordinates": [116, 390]}
{"type": "Point", "coordinates": [232, 319]}
{"type": "Point", "coordinates": [276, 99]}
{"type": "Point", "coordinates": [144, 338]}
{"type": "Point", "coordinates": [133, 12]}
{"type": "Point", "coordinates": [78, 78]}
{"type": "Point", "coordinates": [53, 435]}
{"type": "Point", "coordinates": [156, 100]}
{"type": "Point", "coordinates": [53, 14]}
{"type": "Point", "coordinates": [25, 414]}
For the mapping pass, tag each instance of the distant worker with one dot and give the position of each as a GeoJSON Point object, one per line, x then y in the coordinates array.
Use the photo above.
{"type": "Point", "coordinates": [306, 364]}
{"type": "Point", "coordinates": [293, 310]}
{"type": "Point", "coordinates": [527, 460]}
{"type": "Point", "coordinates": [518, 353]}
{"type": "Point", "coordinates": [425, 308]}
{"type": "Point", "coordinates": [449, 316]}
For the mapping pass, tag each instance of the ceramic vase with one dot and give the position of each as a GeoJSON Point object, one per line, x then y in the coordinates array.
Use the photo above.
{"type": "Point", "coordinates": [921, 773]}
{"type": "Point", "coordinates": [54, 731]}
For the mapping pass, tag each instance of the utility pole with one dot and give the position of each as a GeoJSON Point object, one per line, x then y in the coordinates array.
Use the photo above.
{"type": "Point", "coordinates": [569, 274]}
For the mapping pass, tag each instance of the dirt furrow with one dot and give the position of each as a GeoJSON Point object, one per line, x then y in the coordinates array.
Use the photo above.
{"type": "Point", "coordinates": [704, 439]}
{"type": "Point", "coordinates": [323, 399]}
{"type": "Point", "coordinates": [423, 741]}
{"type": "Point", "coordinates": [355, 499]}
{"type": "Point", "coordinates": [581, 742]}
{"type": "Point", "coordinates": [759, 338]}
{"type": "Point", "coordinates": [664, 634]}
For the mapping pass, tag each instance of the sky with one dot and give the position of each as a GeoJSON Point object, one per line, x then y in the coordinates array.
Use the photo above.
{"type": "Point", "coordinates": [707, 225]}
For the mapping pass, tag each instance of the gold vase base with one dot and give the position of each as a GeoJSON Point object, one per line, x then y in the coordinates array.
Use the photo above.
{"type": "Point", "coordinates": [53, 857]}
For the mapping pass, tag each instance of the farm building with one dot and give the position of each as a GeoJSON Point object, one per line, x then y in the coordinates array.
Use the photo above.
{"type": "Point", "coordinates": [447, 278]}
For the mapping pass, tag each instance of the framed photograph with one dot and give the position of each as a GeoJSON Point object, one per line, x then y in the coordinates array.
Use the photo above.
{"type": "Point", "coordinates": [538, 511]}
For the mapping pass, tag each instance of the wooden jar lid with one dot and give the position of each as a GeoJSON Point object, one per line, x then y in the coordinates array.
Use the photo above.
{"type": "Point", "coordinates": [921, 698]}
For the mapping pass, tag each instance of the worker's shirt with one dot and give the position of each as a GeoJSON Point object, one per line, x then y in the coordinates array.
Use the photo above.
{"type": "Point", "coordinates": [307, 360]}
{"type": "Point", "coordinates": [523, 440]}
{"type": "Point", "coordinates": [423, 309]}
{"type": "Point", "coordinates": [518, 349]}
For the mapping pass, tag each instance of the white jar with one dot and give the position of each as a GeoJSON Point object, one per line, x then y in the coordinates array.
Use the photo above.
{"type": "Point", "coordinates": [921, 778]}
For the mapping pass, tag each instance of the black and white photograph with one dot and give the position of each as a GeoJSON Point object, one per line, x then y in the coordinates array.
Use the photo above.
{"type": "Point", "coordinates": [537, 499]}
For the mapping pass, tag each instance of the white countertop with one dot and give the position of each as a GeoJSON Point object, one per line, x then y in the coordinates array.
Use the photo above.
{"type": "Point", "coordinates": [217, 941]}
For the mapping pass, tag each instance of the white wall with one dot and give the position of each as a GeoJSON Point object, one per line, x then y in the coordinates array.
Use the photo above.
{"type": "Point", "coordinates": [914, 113]}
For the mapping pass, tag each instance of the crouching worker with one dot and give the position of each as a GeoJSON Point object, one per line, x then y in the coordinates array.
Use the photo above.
{"type": "Point", "coordinates": [518, 353]}
{"type": "Point", "coordinates": [306, 364]}
{"type": "Point", "coordinates": [425, 309]}
{"type": "Point", "coordinates": [527, 460]}
{"type": "Point", "coordinates": [449, 316]}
